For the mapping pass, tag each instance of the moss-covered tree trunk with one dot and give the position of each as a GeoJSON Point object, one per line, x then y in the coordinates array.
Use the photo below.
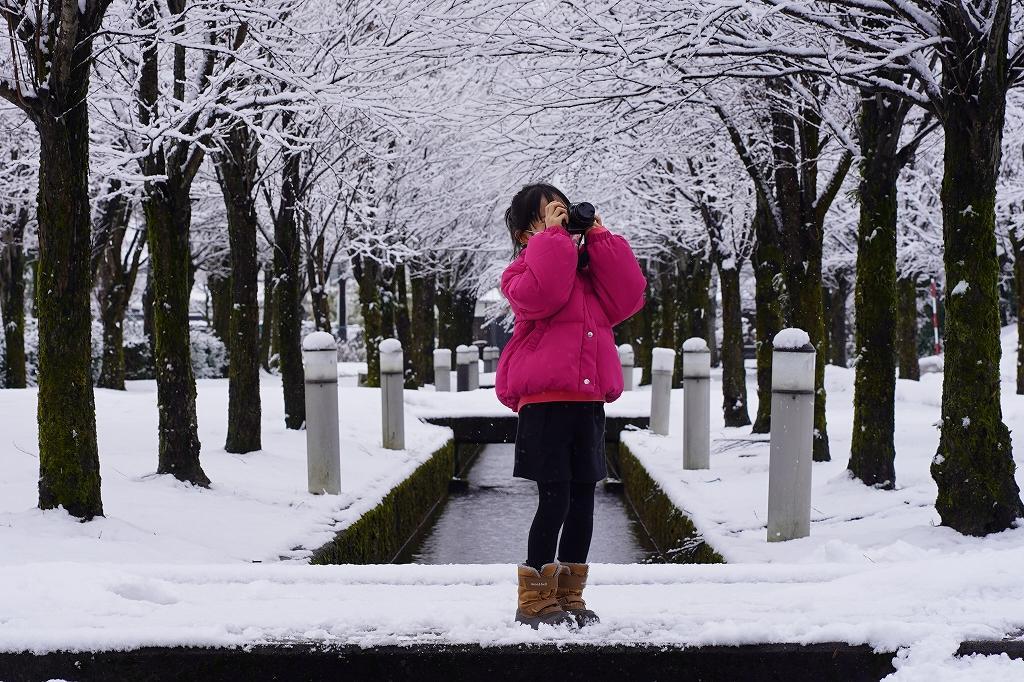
{"type": "Point", "coordinates": [734, 375]}
{"type": "Point", "coordinates": [872, 452]}
{"type": "Point", "coordinates": [288, 295]}
{"type": "Point", "coordinates": [12, 299]}
{"type": "Point", "coordinates": [423, 324]}
{"type": "Point", "coordinates": [768, 319]}
{"type": "Point", "coordinates": [366, 271]}
{"type": "Point", "coordinates": [907, 328]}
{"type": "Point", "coordinates": [115, 281]}
{"type": "Point", "coordinates": [219, 285]}
{"type": "Point", "coordinates": [447, 336]}
{"type": "Point", "coordinates": [974, 466]}
{"type": "Point", "coordinates": [236, 174]}
{"type": "Point", "coordinates": [69, 469]}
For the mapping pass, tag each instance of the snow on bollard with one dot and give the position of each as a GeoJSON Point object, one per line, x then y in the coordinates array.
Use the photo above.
{"type": "Point", "coordinates": [491, 354]}
{"type": "Point", "coordinates": [464, 355]}
{"type": "Point", "coordinates": [662, 362]}
{"type": "Point", "coordinates": [323, 446]}
{"type": "Point", "coordinates": [442, 369]}
{"type": "Point", "coordinates": [789, 467]}
{"type": "Point", "coordinates": [696, 404]}
{"type": "Point", "coordinates": [392, 386]}
{"type": "Point", "coordinates": [626, 360]}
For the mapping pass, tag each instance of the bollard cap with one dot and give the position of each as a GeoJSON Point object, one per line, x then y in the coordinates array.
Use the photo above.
{"type": "Point", "coordinates": [793, 340]}
{"type": "Point", "coordinates": [319, 341]}
{"type": "Point", "coordinates": [442, 358]}
{"type": "Point", "coordinates": [626, 356]}
{"type": "Point", "coordinates": [695, 344]}
{"type": "Point", "coordinates": [696, 359]}
{"type": "Point", "coordinates": [466, 354]}
{"type": "Point", "coordinates": [391, 360]}
{"type": "Point", "coordinates": [663, 360]}
{"type": "Point", "coordinates": [793, 369]}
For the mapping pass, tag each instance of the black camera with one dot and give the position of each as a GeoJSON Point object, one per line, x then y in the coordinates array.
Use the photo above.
{"type": "Point", "coordinates": [581, 217]}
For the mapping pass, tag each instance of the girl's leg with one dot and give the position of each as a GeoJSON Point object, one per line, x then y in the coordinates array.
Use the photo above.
{"type": "Point", "coordinates": [579, 523]}
{"type": "Point", "coordinates": [552, 506]}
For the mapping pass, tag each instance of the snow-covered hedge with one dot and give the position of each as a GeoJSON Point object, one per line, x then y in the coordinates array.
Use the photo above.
{"type": "Point", "coordinates": [209, 356]}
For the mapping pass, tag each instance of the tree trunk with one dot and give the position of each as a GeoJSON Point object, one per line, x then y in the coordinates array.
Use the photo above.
{"type": "Point", "coordinates": [342, 311]}
{"type": "Point", "coordinates": [387, 301]}
{"type": "Point", "coordinates": [12, 300]}
{"type": "Point", "coordinates": [712, 316]}
{"type": "Point", "coordinates": [403, 326]}
{"type": "Point", "coordinates": [734, 375]}
{"type": "Point", "coordinates": [168, 216]}
{"type": "Point", "coordinates": [366, 273]}
{"type": "Point", "coordinates": [802, 228]}
{"type": "Point", "coordinates": [219, 286]}
{"type": "Point", "coordinates": [147, 311]}
{"type": "Point", "coordinates": [768, 310]}
{"type": "Point", "coordinates": [288, 295]}
{"type": "Point", "coordinates": [236, 174]}
{"type": "Point", "coordinates": [116, 280]}
{"type": "Point", "coordinates": [643, 327]}
{"type": "Point", "coordinates": [69, 467]}
{"type": "Point", "coordinates": [872, 452]}
{"type": "Point", "coordinates": [666, 311]}
{"type": "Point", "coordinates": [267, 328]}
{"type": "Point", "coordinates": [837, 334]}
{"type": "Point", "coordinates": [906, 329]}
{"type": "Point", "coordinates": [464, 309]}
{"type": "Point", "coordinates": [423, 324]}
{"type": "Point", "coordinates": [316, 275]}
{"type": "Point", "coordinates": [974, 466]}
{"type": "Point", "coordinates": [447, 336]}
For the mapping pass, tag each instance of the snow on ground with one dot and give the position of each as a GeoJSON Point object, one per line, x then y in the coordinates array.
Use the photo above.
{"type": "Point", "coordinates": [171, 564]}
{"type": "Point", "coordinates": [258, 508]}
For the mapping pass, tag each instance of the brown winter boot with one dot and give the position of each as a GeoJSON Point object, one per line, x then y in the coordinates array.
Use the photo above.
{"type": "Point", "coordinates": [537, 602]}
{"type": "Point", "coordinates": [571, 581]}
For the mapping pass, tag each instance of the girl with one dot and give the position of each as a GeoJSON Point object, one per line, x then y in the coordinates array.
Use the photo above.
{"type": "Point", "coordinates": [557, 371]}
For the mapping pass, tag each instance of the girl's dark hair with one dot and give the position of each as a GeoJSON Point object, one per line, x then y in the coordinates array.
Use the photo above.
{"type": "Point", "coordinates": [525, 208]}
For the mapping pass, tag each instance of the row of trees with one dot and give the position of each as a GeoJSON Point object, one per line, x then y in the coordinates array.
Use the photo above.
{"type": "Point", "coordinates": [785, 152]}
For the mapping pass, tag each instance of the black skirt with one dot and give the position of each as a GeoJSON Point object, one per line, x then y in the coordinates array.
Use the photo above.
{"type": "Point", "coordinates": [561, 441]}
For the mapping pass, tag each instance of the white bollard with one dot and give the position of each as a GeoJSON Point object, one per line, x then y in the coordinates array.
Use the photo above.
{"type": "Point", "coordinates": [696, 404]}
{"type": "Point", "coordinates": [789, 467]}
{"type": "Point", "coordinates": [323, 447]}
{"type": "Point", "coordinates": [474, 368]}
{"type": "Point", "coordinates": [392, 398]}
{"type": "Point", "coordinates": [442, 369]}
{"type": "Point", "coordinates": [662, 363]}
{"type": "Point", "coordinates": [463, 356]}
{"type": "Point", "coordinates": [626, 359]}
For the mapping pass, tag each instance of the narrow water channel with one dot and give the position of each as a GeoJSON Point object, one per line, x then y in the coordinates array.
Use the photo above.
{"type": "Point", "coordinates": [489, 522]}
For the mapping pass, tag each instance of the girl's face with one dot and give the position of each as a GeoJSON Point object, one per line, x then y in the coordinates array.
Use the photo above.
{"type": "Point", "coordinates": [538, 223]}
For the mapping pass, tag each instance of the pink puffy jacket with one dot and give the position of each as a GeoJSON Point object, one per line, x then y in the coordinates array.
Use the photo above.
{"type": "Point", "coordinates": [562, 343]}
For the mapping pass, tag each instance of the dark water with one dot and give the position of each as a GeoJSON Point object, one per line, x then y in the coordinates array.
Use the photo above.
{"type": "Point", "coordinates": [489, 522]}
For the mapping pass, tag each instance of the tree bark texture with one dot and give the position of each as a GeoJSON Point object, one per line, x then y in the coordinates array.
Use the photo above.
{"type": "Point", "coordinates": [236, 174]}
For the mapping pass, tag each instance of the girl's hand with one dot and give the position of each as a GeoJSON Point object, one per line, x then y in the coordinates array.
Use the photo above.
{"type": "Point", "coordinates": [597, 223]}
{"type": "Point", "coordinates": [555, 213]}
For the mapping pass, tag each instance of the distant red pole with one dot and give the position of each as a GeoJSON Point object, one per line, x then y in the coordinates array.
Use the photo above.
{"type": "Point", "coordinates": [935, 316]}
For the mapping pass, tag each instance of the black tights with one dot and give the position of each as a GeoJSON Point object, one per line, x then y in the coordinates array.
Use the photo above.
{"type": "Point", "coordinates": [564, 505]}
